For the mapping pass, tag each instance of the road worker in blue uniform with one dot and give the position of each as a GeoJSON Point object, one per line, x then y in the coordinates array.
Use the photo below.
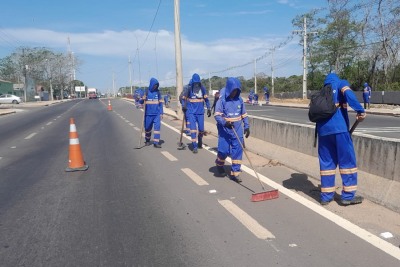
{"type": "Point", "coordinates": [182, 100]}
{"type": "Point", "coordinates": [366, 95]}
{"type": "Point", "coordinates": [266, 94]}
{"type": "Point", "coordinates": [153, 113]}
{"type": "Point", "coordinates": [196, 97]}
{"type": "Point", "coordinates": [335, 146]}
{"type": "Point", "coordinates": [138, 95]}
{"type": "Point", "coordinates": [230, 113]}
{"type": "Point", "coordinates": [167, 98]}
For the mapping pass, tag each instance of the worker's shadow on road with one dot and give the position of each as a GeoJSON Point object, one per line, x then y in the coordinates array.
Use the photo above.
{"type": "Point", "coordinates": [300, 182]}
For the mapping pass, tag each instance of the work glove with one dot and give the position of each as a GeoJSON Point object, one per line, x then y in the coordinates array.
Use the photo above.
{"type": "Point", "coordinates": [361, 116]}
{"type": "Point", "coordinates": [246, 132]}
{"type": "Point", "coordinates": [208, 113]}
{"type": "Point", "coordinates": [229, 124]}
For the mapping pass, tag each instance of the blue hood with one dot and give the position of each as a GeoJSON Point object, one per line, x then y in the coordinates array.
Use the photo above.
{"type": "Point", "coordinates": [333, 80]}
{"type": "Point", "coordinates": [195, 78]}
{"type": "Point", "coordinates": [153, 81]}
{"type": "Point", "coordinates": [232, 84]}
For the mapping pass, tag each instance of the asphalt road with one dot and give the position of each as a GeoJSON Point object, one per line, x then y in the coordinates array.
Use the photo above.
{"type": "Point", "coordinates": [153, 207]}
{"type": "Point", "coordinates": [376, 125]}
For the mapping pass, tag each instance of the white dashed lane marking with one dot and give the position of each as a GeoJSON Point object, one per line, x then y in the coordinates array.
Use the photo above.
{"type": "Point", "coordinates": [195, 178]}
{"type": "Point", "coordinates": [169, 156]}
{"type": "Point", "coordinates": [49, 123]}
{"type": "Point", "coordinates": [30, 136]}
{"type": "Point", "coordinates": [251, 224]}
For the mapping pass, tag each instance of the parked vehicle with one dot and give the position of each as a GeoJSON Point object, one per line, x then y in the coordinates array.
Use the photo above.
{"type": "Point", "coordinates": [10, 99]}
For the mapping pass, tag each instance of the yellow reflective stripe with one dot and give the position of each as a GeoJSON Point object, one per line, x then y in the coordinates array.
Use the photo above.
{"type": "Point", "coordinates": [193, 131]}
{"type": "Point", "coordinates": [205, 96]}
{"type": "Point", "coordinates": [328, 189]}
{"type": "Point", "coordinates": [196, 100]}
{"type": "Point", "coordinates": [218, 114]}
{"type": "Point", "coordinates": [157, 132]}
{"type": "Point", "coordinates": [345, 89]}
{"type": "Point", "coordinates": [152, 103]}
{"type": "Point", "coordinates": [244, 115]}
{"type": "Point", "coordinates": [234, 119]}
{"type": "Point", "coordinates": [235, 173]}
{"type": "Point", "coordinates": [236, 162]}
{"type": "Point", "coordinates": [350, 188]}
{"type": "Point", "coordinates": [348, 171]}
{"type": "Point", "coordinates": [327, 172]}
{"type": "Point", "coordinates": [156, 140]}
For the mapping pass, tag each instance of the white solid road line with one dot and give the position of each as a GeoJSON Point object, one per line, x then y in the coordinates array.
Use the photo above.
{"type": "Point", "coordinates": [374, 240]}
{"type": "Point", "coordinates": [192, 175]}
{"type": "Point", "coordinates": [169, 156]}
{"type": "Point", "coordinates": [136, 128]}
{"type": "Point", "coordinates": [345, 224]}
{"type": "Point", "coordinates": [30, 136]}
{"type": "Point", "coordinates": [252, 225]}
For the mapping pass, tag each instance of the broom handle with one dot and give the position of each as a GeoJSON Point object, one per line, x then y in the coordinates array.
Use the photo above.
{"type": "Point", "coordinates": [248, 158]}
{"type": "Point", "coordinates": [354, 126]}
{"type": "Point", "coordinates": [183, 120]}
{"type": "Point", "coordinates": [183, 123]}
{"type": "Point", "coordinates": [144, 114]}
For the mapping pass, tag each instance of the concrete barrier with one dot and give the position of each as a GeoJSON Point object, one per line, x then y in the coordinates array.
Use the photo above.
{"type": "Point", "coordinates": [378, 159]}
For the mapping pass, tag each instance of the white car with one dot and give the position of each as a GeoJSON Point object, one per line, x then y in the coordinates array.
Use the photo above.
{"type": "Point", "coordinates": [10, 99]}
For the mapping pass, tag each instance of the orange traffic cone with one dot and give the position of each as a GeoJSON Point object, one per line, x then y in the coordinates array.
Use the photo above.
{"type": "Point", "coordinates": [109, 108]}
{"type": "Point", "coordinates": [76, 162]}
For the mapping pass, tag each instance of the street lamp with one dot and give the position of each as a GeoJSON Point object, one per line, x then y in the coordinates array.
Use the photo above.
{"type": "Point", "coordinates": [137, 50]}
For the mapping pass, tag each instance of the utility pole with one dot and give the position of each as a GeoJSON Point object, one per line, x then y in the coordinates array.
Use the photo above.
{"type": "Point", "coordinates": [137, 50]}
{"type": "Point", "coordinates": [272, 72]}
{"type": "Point", "coordinates": [178, 55]}
{"type": "Point", "coordinates": [209, 84]}
{"type": "Point", "coordinates": [130, 74]}
{"type": "Point", "coordinates": [255, 76]}
{"type": "Point", "coordinates": [305, 33]}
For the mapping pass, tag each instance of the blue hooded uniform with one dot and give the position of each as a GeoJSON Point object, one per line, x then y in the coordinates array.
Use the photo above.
{"type": "Point", "coordinates": [153, 111]}
{"type": "Point", "coordinates": [195, 109]}
{"type": "Point", "coordinates": [266, 94]}
{"type": "Point", "coordinates": [366, 94]}
{"type": "Point", "coordinates": [233, 110]}
{"type": "Point", "coordinates": [335, 146]}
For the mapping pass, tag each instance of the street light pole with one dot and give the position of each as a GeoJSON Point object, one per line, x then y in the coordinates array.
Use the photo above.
{"type": "Point", "coordinates": [178, 55]}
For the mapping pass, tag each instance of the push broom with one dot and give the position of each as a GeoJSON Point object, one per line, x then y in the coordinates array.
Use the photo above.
{"type": "Point", "coordinates": [182, 146]}
{"type": "Point", "coordinates": [260, 196]}
{"type": "Point", "coordinates": [141, 129]}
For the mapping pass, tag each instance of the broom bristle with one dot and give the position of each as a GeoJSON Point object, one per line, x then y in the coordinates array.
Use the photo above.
{"type": "Point", "coordinates": [267, 195]}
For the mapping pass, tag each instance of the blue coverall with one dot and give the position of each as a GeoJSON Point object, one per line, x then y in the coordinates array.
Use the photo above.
{"type": "Point", "coordinates": [232, 110]}
{"type": "Point", "coordinates": [153, 111]}
{"type": "Point", "coordinates": [266, 95]}
{"type": "Point", "coordinates": [366, 95]}
{"type": "Point", "coordinates": [335, 146]}
{"type": "Point", "coordinates": [196, 97]}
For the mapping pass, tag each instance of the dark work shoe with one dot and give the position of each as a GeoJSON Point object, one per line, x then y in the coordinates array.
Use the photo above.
{"type": "Point", "coordinates": [236, 179]}
{"type": "Point", "coordinates": [200, 144]}
{"type": "Point", "coordinates": [355, 200]}
{"type": "Point", "coordinates": [157, 145]}
{"type": "Point", "coordinates": [221, 171]}
{"type": "Point", "coordinates": [195, 151]}
{"type": "Point", "coordinates": [147, 143]}
{"type": "Point", "coordinates": [326, 202]}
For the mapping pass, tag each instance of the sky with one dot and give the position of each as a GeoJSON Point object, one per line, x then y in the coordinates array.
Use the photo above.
{"type": "Point", "coordinates": [119, 41]}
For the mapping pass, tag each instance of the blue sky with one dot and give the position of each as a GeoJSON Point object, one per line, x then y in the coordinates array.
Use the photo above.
{"type": "Point", "coordinates": [215, 35]}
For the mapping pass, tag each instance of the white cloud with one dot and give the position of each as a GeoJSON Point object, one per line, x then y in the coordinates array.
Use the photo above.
{"type": "Point", "coordinates": [109, 50]}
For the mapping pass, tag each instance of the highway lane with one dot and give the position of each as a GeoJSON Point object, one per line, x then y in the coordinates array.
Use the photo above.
{"type": "Point", "coordinates": [146, 208]}
{"type": "Point", "coordinates": [376, 125]}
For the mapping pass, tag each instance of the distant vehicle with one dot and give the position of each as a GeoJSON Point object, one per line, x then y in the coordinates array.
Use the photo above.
{"type": "Point", "coordinates": [10, 99]}
{"type": "Point", "coordinates": [92, 93]}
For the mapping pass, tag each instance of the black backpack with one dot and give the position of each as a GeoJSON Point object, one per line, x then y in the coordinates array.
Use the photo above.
{"type": "Point", "coordinates": [322, 105]}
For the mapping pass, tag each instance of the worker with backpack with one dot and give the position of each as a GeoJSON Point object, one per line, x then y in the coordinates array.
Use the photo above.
{"type": "Point", "coordinates": [335, 146]}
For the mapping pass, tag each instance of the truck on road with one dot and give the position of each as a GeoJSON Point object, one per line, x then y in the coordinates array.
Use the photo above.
{"type": "Point", "coordinates": [92, 93]}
